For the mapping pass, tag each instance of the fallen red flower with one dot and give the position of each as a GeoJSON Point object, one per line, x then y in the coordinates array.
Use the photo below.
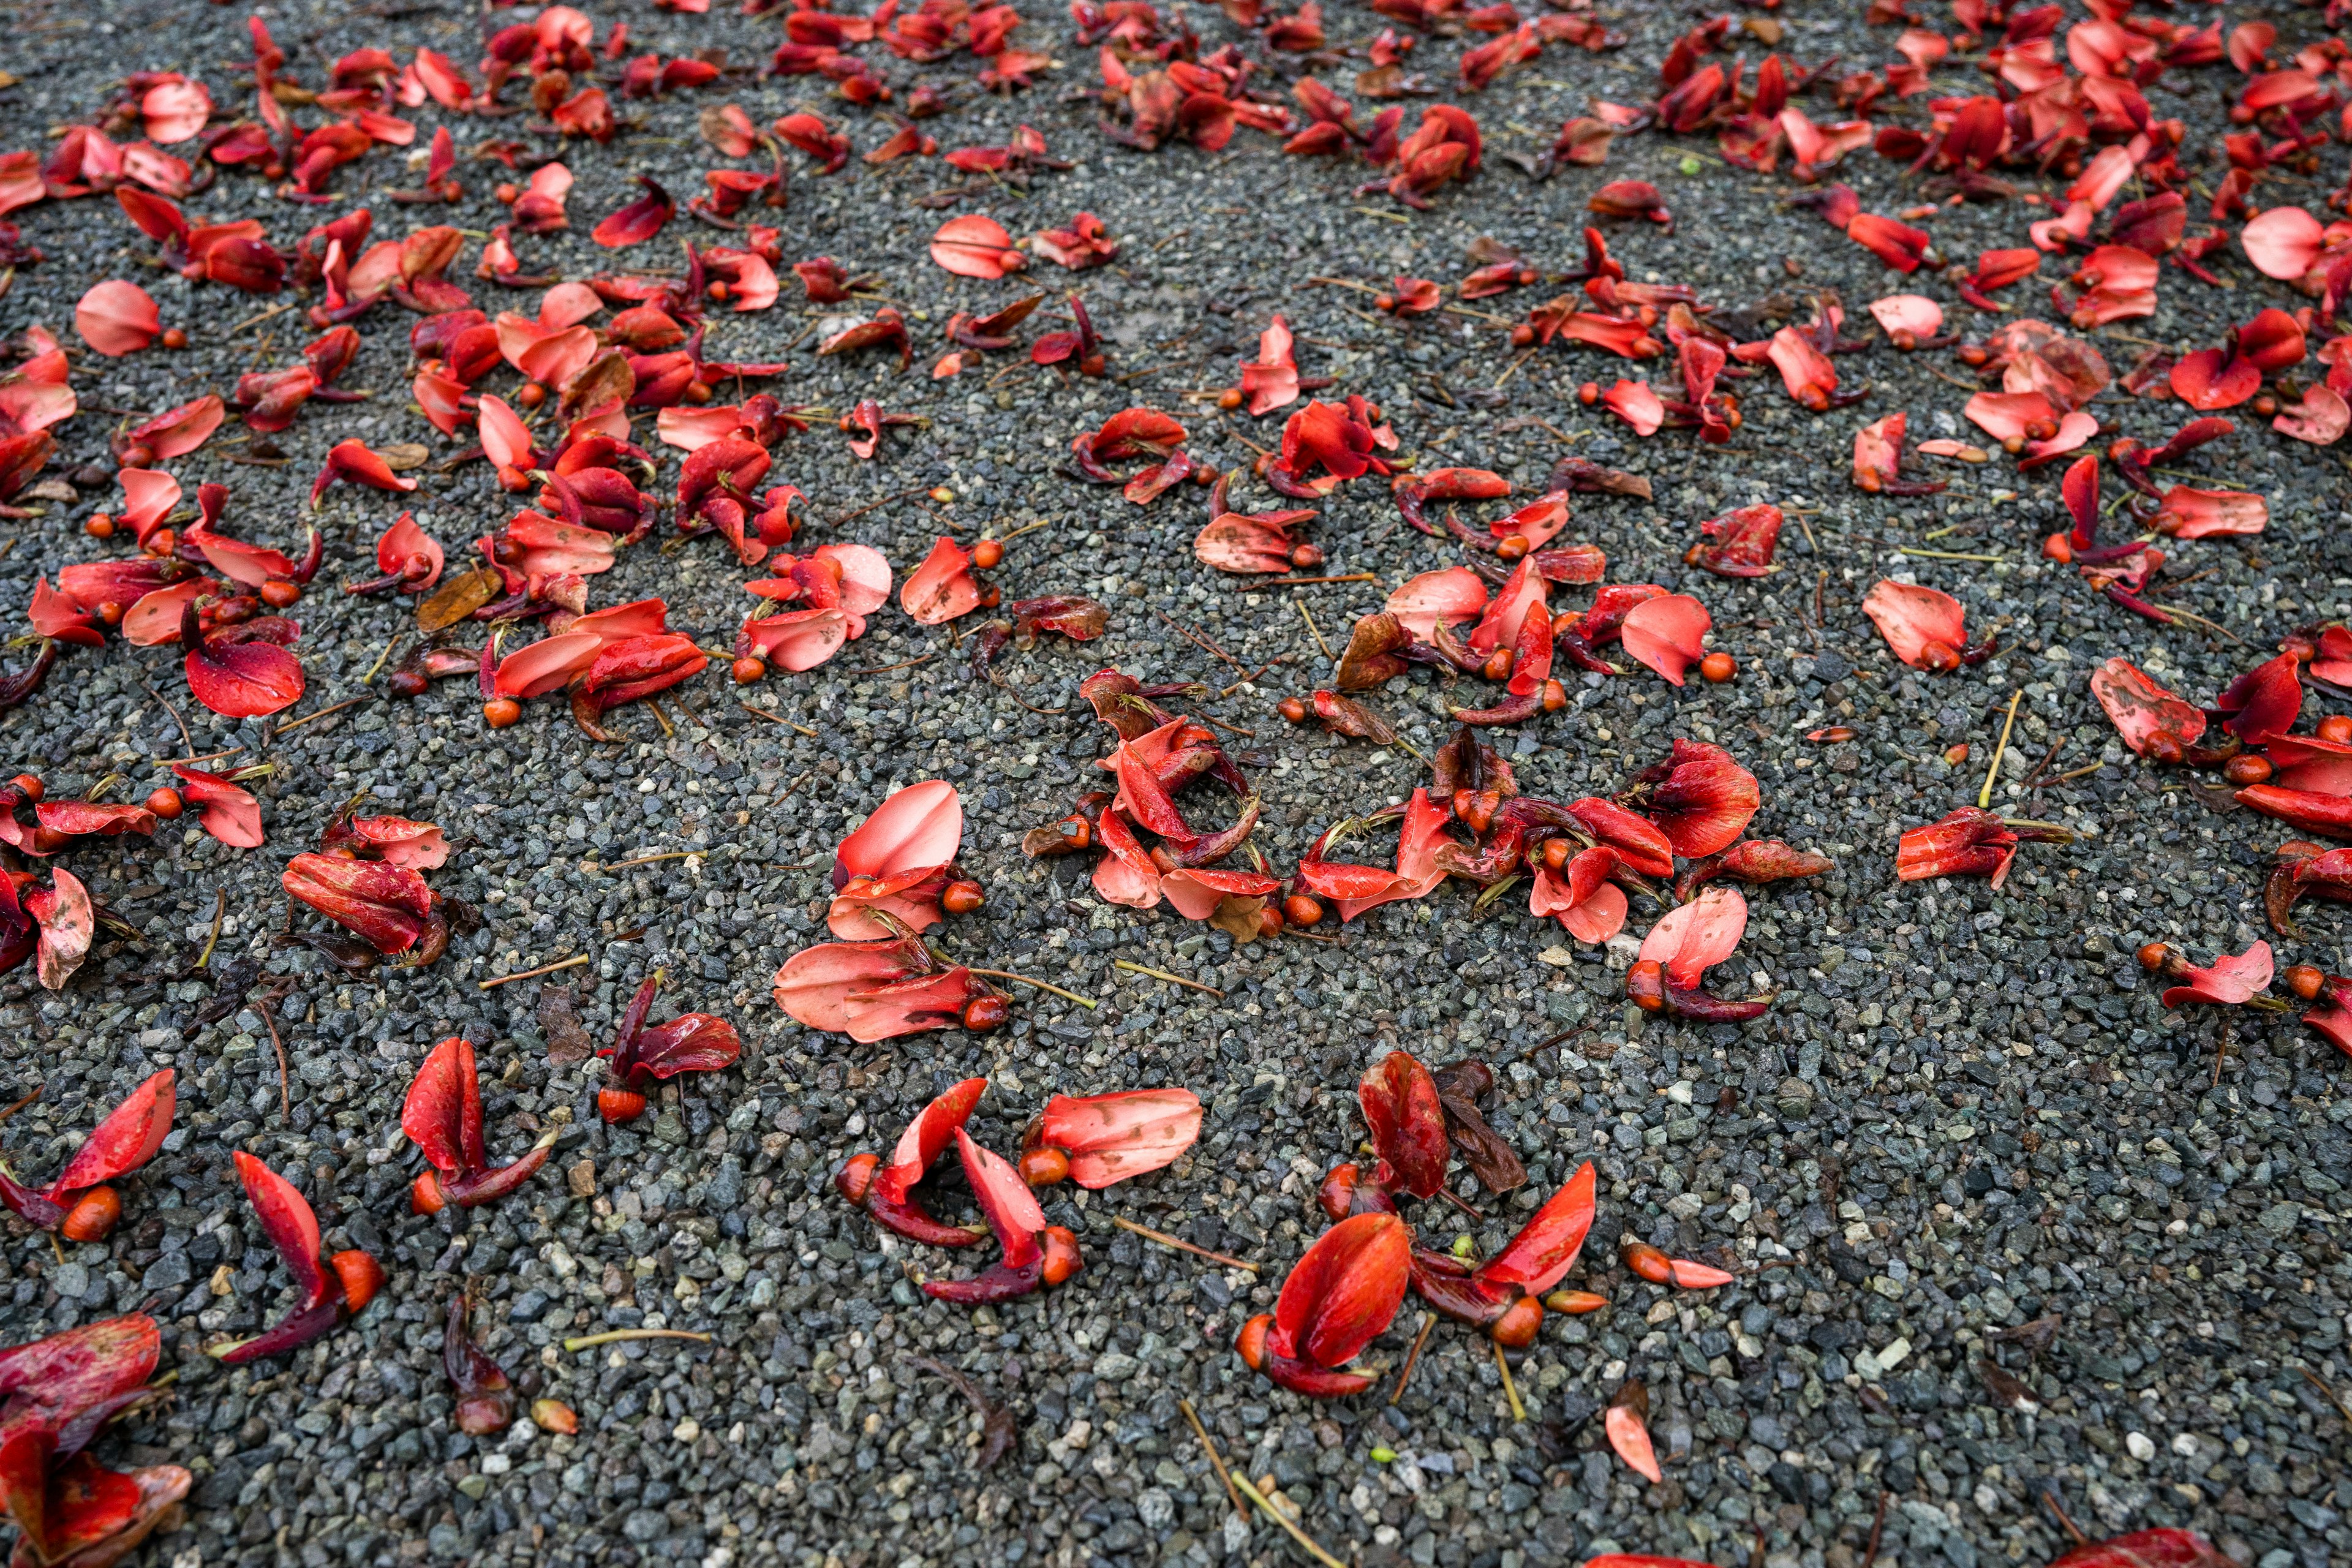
{"type": "Point", "coordinates": [390, 906]}
{"type": "Point", "coordinates": [874, 990]}
{"type": "Point", "coordinates": [1675, 957]}
{"type": "Point", "coordinates": [1034, 1253]}
{"type": "Point", "coordinates": [1340, 1295]}
{"type": "Point", "coordinates": [642, 1054]}
{"type": "Point", "coordinates": [1925, 627]}
{"type": "Point", "coordinates": [1701, 798]}
{"type": "Point", "coordinates": [1503, 1295]}
{"type": "Point", "coordinates": [1739, 543]}
{"type": "Point", "coordinates": [72, 1512]}
{"type": "Point", "coordinates": [1968, 842]}
{"type": "Point", "coordinates": [443, 1117]}
{"type": "Point", "coordinates": [240, 671]}
{"type": "Point", "coordinates": [326, 1295]}
{"type": "Point", "coordinates": [2231, 980]}
{"type": "Point", "coordinates": [899, 860]}
{"type": "Point", "coordinates": [125, 1139]}
{"type": "Point", "coordinates": [1102, 1139]}
{"type": "Point", "coordinates": [888, 1192]}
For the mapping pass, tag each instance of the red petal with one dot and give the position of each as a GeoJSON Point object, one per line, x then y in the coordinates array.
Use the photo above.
{"type": "Point", "coordinates": [443, 1113]}
{"type": "Point", "coordinates": [919, 827]}
{"type": "Point", "coordinates": [285, 1218]}
{"type": "Point", "coordinates": [1453, 596]}
{"type": "Point", "coordinates": [67, 925]}
{"type": "Point", "coordinates": [116, 318]}
{"type": "Point", "coordinates": [1666, 633]}
{"type": "Point", "coordinates": [815, 984]}
{"type": "Point", "coordinates": [798, 639]}
{"type": "Point", "coordinates": [126, 1139]}
{"type": "Point", "coordinates": [1399, 1104]}
{"type": "Point", "coordinates": [1692, 937]}
{"type": "Point", "coordinates": [1913, 618]}
{"type": "Point", "coordinates": [1631, 1439]}
{"type": "Point", "coordinates": [1111, 1137]}
{"type": "Point", "coordinates": [927, 1136]}
{"type": "Point", "coordinates": [1345, 1291]}
{"type": "Point", "coordinates": [2144, 712]}
{"type": "Point", "coordinates": [1548, 1246]}
{"type": "Point", "coordinates": [909, 1007]}
{"type": "Point", "coordinates": [1011, 1206]}
{"type": "Point", "coordinates": [942, 587]}
{"type": "Point", "coordinates": [244, 680]}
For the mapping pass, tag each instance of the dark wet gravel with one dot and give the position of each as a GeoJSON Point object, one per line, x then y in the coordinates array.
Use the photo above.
{"type": "Point", "coordinates": [1967, 1111]}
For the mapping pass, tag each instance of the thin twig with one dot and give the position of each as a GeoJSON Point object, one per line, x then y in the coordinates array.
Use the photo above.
{"type": "Point", "coordinates": [1984, 796]}
{"type": "Point", "coordinates": [1276, 1514]}
{"type": "Point", "coordinates": [15, 1106]}
{"type": "Point", "coordinates": [1157, 975]}
{"type": "Point", "coordinates": [1447, 1194]}
{"type": "Point", "coordinates": [1519, 1411]}
{"type": "Point", "coordinates": [776, 719]}
{"type": "Point", "coordinates": [650, 860]}
{"type": "Point", "coordinates": [285, 1090]}
{"type": "Point", "coordinates": [1413, 1358]}
{"type": "Point", "coordinates": [2049, 1496]}
{"type": "Point", "coordinates": [1877, 1530]}
{"type": "Point", "coordinates": [1040, 985]}
{"type": "Point", "coordinates": [1178, 1243]}
{"type": "Point", "coordinates": [1204, 644]}
{"type": "Point", "coordinates": [2337, 1400]}
{"type": "Point", "coordinates": [611, 1336]}
{"type": "Point", "coordinates": [533, 973]}
{"type": "Point", "coordinates": [284, 730]}
{"type": "Point", "coordinates": [887, 668]}
{"type": "Point", "coordinates": [382, 659]}
{"type": "Point", "coordinates": [1316, 635]}
{"type": "Point", "coordinates": [1216, 1460]}
{"type": "Point", "coordinates": [660, 718]}
{"type": "Point", "coordinates": [191, 761]}
{"type": "Point", "coordinates": [1236, 729]}
{"type": "Point", "coordinates": [187, 738]}
{"type": "Point", "coordinates": [1253, 674]}
{"type": "Point", "coordinates": [220, 912]}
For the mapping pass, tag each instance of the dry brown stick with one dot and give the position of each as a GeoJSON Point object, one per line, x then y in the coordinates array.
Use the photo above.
{"type": "Point", "coordinates": [887, 668]}
{"type": "Point", "coordinates": [1877, 1530]}
{"type": "Point", "coordinates": [1162, 974]}
{"type": "Point", "coordinates": [187, 740]}
{"type": "Point", "coordinates": [1412, 1357]}
{"type": "Point", "coordinates": [533, 973]}
{"type": "Point", "coordinates": [1178, 1243]}
{"type": "Point", "coordinates": [1217, 1461]}
{"type": "Point", "coordinates": [1204, 644]}
{"type": "Point", "coordinates": [15, 1106]}
{"type": "Point", "coordinates": [322, 713]}
{"type": "Point", "coordinates": [285, 1090]}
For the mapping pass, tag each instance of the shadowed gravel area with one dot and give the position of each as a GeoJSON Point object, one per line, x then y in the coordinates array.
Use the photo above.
{"type": "Point", "coordinates": [1966, 1111]}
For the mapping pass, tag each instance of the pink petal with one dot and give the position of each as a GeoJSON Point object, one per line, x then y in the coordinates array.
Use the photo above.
{"type": "Point", "coordinates": [2283, 242]}
{"type": "Point", "coordinates": [1499, 627]}
{"type": "Point", "coordinates": [115, 318]}
{"type": "Point", "coordinates": [1666, 633]}
{"type": "Point", "coordinates": [1693, 937]}
{"type": "Point", "coordinates": [798, 639]}
{"type": "Point", "coordinates": [1453, 596]}
{"type": "Point", "coordinates": [942, 587]}
{"type": "Point", "coordinates": [1910, 617]}
{"type": "Point", "coordinates": [1912, 313]}
{"type": "Point", "coordinates": [2321, 418]}
{"type": "Point", "coordinates": [919, 827]}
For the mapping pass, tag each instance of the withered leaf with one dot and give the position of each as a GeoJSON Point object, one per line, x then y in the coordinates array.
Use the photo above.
{"type": "Point", "coordinates": [2036, 1336]}
{"type": "Point", "coordinates": [231, 980]}
{"type": "Point", "coordinates": [559, 1020]}
{"type": "Point", "coordinates": [1346, 716]}
{"type": "Point", "coordinates": [403, 456]}
{"type": "Point", "coordinates": [997, 1433]}
{"type": "Point", "coordinates": [1468, 762]}
{"type": "Point", "coordinates": [349, 953]}
{"type": "Point", "coordinates": [458, 597]}
{"type": "Point", "coordinates": [1460, 1087]}
{"type": "Point", "coordinates": [1238, 916]}
{"type": "Point", "coordinates": [1585, 475]}
{"type": "Point", "coordinates": [1372, 647]}
{"type": "Point", "coordinates": [2007, 1389]}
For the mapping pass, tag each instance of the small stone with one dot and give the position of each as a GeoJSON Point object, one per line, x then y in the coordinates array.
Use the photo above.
{"type": "Point", "coordinates": [580, 1179]}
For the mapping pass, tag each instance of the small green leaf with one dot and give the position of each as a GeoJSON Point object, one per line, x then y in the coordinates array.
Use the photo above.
{"type": "Point", "coordinates": [1690, 165]}
{"type": "Point", "coordinates": [1463, 1246]}
{"type": "Point", "coordinates": [1383, 1456]}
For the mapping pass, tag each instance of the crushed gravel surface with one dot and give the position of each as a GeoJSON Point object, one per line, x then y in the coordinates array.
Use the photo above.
{"type": "Point", "coordinates": [1968, 1109]}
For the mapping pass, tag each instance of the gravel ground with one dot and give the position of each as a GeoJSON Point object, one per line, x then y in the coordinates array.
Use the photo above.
{"type": "Point", "coordinates": [1967, 1111]}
